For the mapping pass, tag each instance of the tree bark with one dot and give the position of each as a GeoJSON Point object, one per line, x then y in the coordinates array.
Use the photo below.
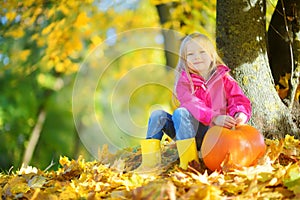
{"type": "Point", "coordinates": [241, 39]}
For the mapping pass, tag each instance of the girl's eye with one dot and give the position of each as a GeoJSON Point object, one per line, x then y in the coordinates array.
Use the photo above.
{"type": "Point", "coordinates": [190, 54]}
{"type": "Point", "coordinates": [202, 52]}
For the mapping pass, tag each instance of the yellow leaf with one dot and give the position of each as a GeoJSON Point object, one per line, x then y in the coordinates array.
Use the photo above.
{"type": "Point", "coordinates": [35, 36]}
{"type": "Point", "coordinates": [51, 12]}
{"type": "Point", "coordinates": [73, 68]}
{"type": "Point", "coordinates": [96, 40]}
{"type": "Point", "coordinates": [28, 3]}
{"type": "Point", "coordinates": [283, 93]}
{"type": "Point", "coordinates": [64, 161]}
{"type": "Point", "coordinates": [20, 188]}
{"type": "Point", "coordinates": [73, 4]}
{"type": "Point", "coordinates": [292, 179]}
{"type": "Point", "coordinates": [49, 28]}
{"type": "Point", "coordinates": [10, 16]}
{"type": "Point", "coordinates": [24, 54]}
{"type": "Point", "coordinates": [68, 194]}
{"type": "Point", "coordinates": [15, 33]}
{"type": "Point", "coordinates": [297, 93]}
{"type": "Point", "coordinates": [60, 67]}
{"type": "Point", "coordinates": [16, 185]}
{"type": "Point", "coordinates": [38, 11]}
{"type": "Point", "coordinates": [157, 2]}
{"type": "Point", "coordinates": [64, 9]}
{"type": "Point", "coordinates": [75, 44]}
{"type": "Point", "coordinates": [67, 62]}
{"type": "Point", "coordinates": [41, 42]}
{"type": "Point", "coordinates": [81, 20]}
{"type": "Point", "coordinates": [89, 1]}
{"type": "Point", "coordinates": [284, 80]}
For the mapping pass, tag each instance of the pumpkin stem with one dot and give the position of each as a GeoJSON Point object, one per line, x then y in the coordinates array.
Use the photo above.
{"type": "Point", "coordinates": [233, 128]}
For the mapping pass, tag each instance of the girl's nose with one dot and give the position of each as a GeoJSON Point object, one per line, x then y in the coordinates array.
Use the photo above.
{"type": "Point", "coordinates": [198, 56]}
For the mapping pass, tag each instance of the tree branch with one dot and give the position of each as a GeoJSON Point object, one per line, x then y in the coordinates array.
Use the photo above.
{"type": "Point", "coordinates": [294, 80]}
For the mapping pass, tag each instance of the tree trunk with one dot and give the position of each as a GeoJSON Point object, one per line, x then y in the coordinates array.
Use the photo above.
{"type": "Point", "coordinates": [241, 39]}
{"type": "Point", "coordinates": [34, 138]}
{"type": "Point", "coordinates": [170, 39]}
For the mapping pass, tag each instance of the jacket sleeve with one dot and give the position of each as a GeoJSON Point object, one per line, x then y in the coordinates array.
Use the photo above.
{"type": "Point", "coordinates": [236, 99]}
{"type": "Point", "coordinates": [192, 103]}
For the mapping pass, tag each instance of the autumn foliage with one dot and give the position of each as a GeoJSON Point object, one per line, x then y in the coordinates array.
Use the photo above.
{"type": "Point", "coordinates": [43, 44]}
{"type": "Point", "coordinates": [276, 176]}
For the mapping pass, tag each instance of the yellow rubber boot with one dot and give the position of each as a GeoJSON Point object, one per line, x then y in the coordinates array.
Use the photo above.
{"type": "Point", "coordinates": [151, 156]}
{"type": "Point", "coordinates": [187, 151]}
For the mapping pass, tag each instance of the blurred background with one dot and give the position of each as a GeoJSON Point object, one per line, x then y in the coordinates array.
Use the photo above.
{"type": "Point", "coordinates": [75, 75]}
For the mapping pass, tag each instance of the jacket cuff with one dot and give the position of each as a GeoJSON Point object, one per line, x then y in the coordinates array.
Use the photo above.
{"type": "Point", "coordinates": [240, 109]}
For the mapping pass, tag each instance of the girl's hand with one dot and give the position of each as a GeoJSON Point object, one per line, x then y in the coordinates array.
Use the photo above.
{"type": "Point", "coordinates": [225, 121]}
{"type": "Point", "coordinates": [240, 118]}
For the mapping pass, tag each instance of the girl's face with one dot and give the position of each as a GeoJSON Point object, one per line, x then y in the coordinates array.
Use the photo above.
{"type": "Point", "coordinates": [198, 59]}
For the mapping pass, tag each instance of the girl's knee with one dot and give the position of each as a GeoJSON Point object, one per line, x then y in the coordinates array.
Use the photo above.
{"type": "Point", "coordinates": [156, 123]}
{"type": "Point", "coordinates": [181, 113]}
{"type": "Point", "coordinates": [157, 114]}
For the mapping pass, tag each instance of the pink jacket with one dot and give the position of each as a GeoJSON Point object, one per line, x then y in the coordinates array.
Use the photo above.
{"type": "Point", "coordinates": [219, 95]}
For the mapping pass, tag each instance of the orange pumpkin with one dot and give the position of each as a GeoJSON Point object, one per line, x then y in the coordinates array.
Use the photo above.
{"type": "Point", "coordinates": [243, 145]}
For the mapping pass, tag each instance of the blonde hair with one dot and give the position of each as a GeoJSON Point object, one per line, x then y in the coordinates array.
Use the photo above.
{"type": "Point", "coordinates": [206, 44]}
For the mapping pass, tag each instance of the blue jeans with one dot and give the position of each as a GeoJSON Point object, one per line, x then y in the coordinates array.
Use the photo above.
{"type": "Point", "coordinates": [179, 126]}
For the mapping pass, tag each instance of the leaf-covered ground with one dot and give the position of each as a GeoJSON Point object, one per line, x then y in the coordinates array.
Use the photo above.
{"type": "Point", "coordinates": [277, 176]}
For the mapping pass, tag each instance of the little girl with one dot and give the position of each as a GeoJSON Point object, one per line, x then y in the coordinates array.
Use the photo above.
{"type": "Point", "coordinates": [208, 96]}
